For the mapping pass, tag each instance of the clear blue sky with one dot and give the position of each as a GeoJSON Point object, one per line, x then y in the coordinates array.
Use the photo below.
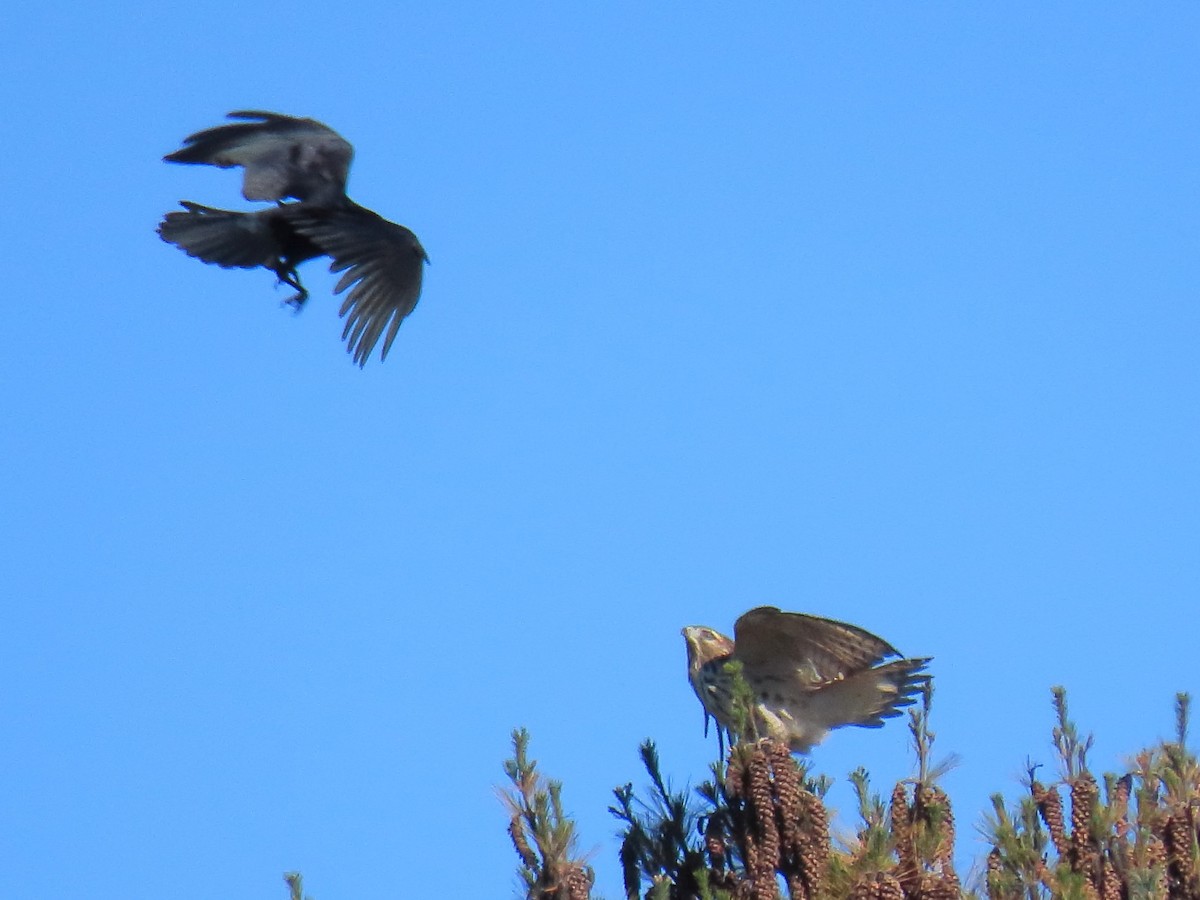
{"type": "Point", "coordinates": [886, 312]}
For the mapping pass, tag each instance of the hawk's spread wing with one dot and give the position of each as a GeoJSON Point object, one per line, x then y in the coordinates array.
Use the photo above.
{"type": "Point", "coordinates": [769, 641]}
{"type": "Point", "coordinates": [284, 156]}
{"type": "Point", "coordinates": [383, 266]}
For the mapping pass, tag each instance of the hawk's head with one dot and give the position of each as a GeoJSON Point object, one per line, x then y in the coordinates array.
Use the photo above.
{"type": "Point", "coordinates": [703, 646]}
{"type": "Point", "coordinates": [706, 646]}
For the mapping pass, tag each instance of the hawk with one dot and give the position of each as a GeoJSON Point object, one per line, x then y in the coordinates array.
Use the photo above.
{"type": "Point", "coordinates": [288, 158]}
{"type": "Point", "coordinates": [808, 675]}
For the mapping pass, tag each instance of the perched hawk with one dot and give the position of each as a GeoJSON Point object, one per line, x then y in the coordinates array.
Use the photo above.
{"type": "Point", "coordinates": [286, 158]}
{"type": "Point", "coordinates": [808, 675]}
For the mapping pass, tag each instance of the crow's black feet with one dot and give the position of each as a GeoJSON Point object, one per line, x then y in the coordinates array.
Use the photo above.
{"type": "Point", "coordinates": [297, 302]}
{"type": "Point", "coordinates": [292, 280]}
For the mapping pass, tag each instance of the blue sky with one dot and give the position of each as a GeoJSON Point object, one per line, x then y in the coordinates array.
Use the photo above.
{"type": "Point", "coordinates": [883, 312]}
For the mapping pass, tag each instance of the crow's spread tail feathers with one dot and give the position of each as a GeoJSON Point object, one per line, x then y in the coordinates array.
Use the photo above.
{"type": "Point", "coordinates": [242, 240]}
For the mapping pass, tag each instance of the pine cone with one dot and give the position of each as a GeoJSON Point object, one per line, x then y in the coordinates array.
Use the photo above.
{"type": "Point", "coordinates": [996, 876]}
{"type": "Point", "coordinates": [735, 774]}
{"type": "Point", "coordinates": [762, 801]}
{"type": "Point", "coordinates": [789, 790]}
{"type": "Point", "coordinates": [578, 882]}
{"type": "Point", "coordinates": [1083, 804]}
{"type": "Point", "coordinates": [935, 887]}
{"type": "Point", "coordinates": [1084, 851]}
{"type": "Point", "coordinates": [902, 832]}
{"type": "Point", "coordinates": [814, 845]}
{"type": "Point", "coordinates": [1156, 853]}
{"type": "Point", "coordinates": [1179, 850]}
{"type": "Point", "coordinates": [880, 886]}
{"type": "Point", "coordinates": [1049, 804]}
{"type": "Point", "coordinates": [1110, 884]}
{"type": "Point", "coordinates": [995, 864]}
{"type": "Point", "coordinates": [516, 831]}
{"type": "Point", "coordinates": [933, 798]}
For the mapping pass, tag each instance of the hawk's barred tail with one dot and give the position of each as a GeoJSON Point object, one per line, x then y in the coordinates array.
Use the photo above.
{"type": "Point", "coordinates": [884, 692]}
{"type": "Point", "coordinates": [910, 678]}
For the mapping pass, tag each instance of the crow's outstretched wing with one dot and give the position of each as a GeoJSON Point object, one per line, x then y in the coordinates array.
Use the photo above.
{"type": "Point", "coordinates": [284, 156]}
{"type": "Point", "coordinates": [382, 265]}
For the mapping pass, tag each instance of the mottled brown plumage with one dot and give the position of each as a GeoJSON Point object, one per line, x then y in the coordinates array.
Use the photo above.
{"type": "Point", "coordinates": [808, 675]}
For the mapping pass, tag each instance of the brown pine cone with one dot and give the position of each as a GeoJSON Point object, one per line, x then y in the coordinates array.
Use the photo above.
{"type": "Point", "coordinates": [937, 798]}
{"type": "Point", "coordinates": [880, 886]}
{"type": "Point", "coordinates": [1110, 884]}
{"type": "Point", "coordinates": [814, 845]}
{"type": "Point", "coordinates": [935, 887]}
{"type": "Point", "coordinates": [762, 801]}
{"type": "Point", "coordinates": [1049, 804]}
{"type": "Point", "coordinates": [1179, 847]}
{"type": "Point", "coordinates": [789, 790]}
{"type": "Point", "coordinates": [578, 882]}
{"type": "Point", "coordinates": [1085, 853]}
{"type": "Point", "coordinates": [1083, 804]}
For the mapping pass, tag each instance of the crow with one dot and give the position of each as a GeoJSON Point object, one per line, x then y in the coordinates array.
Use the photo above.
{"type": "Point", "coordinates": [286, 158]}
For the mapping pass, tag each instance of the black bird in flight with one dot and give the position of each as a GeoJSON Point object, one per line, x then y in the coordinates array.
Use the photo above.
{"type": "Point", "coordinates": [291, 159]}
